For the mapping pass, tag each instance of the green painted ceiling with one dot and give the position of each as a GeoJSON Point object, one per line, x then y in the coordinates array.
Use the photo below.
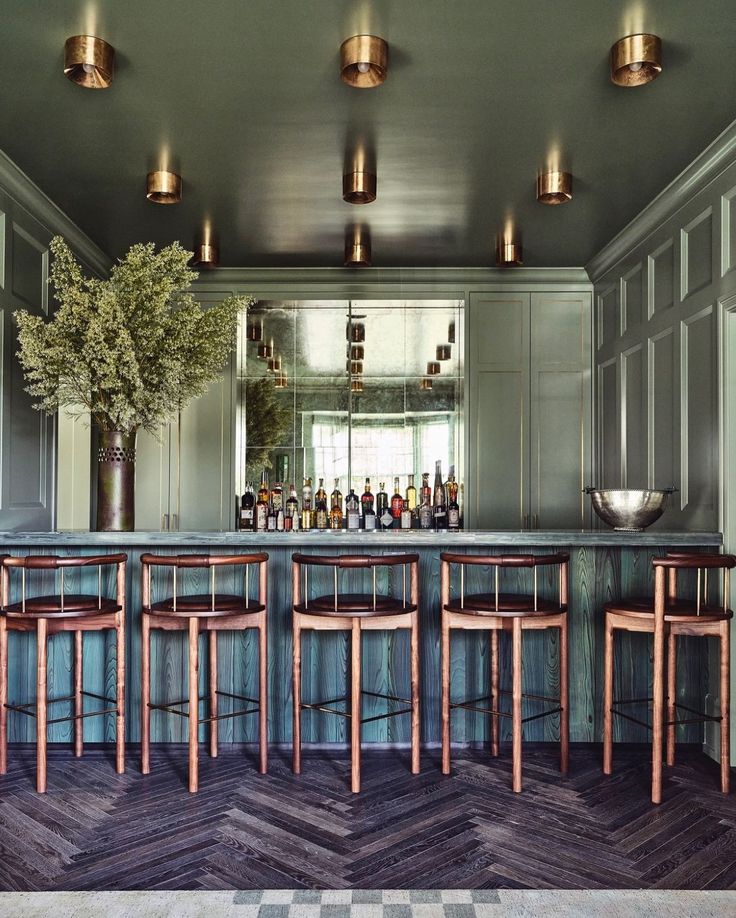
{"type": "Point", "coordinates": [245, 99]}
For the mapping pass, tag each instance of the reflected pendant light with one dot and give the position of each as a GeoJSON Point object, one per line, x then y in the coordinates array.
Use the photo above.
{"type": "Point", "coordinates": [356, 331]}
{"type": "Point", "coordinates": [355, 367]}
{"type": "Point", "coordinates": [274, 364]}
{"type": "Point", "coordinates": [281, 381]}
{"type": "Point", "coordinates": [89, 61]}
{"type": "Point", "coordinates": [254, 329]}
{"type": "Point", "coordinates": [357, 352]}
{"type": "Point", "coordinates": [356, 385]}
{"type": "Point", "coordinates": [426, 384]}
{"type": "Point", "coordinates": [357, 249]}
{"type": "Point", "coordinates": [363, 61]}
{"type": "Point", "coordinates": [451, 332]}
{"type": "Point", "coordinates": [508, 252]}
{"type": "Point", "coordinates": [359, 187]}
{"type": "Point", "coordinates": [163, 187]}
{"type": "Point", "coordinates": [636, 60]}
{"type": "Point", "coordinates": [206, 255]}
{"type": "Point", "coordinates": [444, 351]}
{"type": "Point", "coordinates": [554, 187]}
{"type": "Point", "coordinates": [265, 351]}
{"type": "Point", "coordinates": [433, 368]}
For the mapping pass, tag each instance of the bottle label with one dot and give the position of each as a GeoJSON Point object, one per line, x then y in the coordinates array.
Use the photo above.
{"type": "Point", "coordinates": [370, 522]}
{"type": "Point", "coordinates": [280, 521]}
{"type": "Point", "coordinates": [288, 522]}
{"type": "Point", "coordinates": [440, 518]}
{"type": "Point", "coordinates": [321, 519]}
{"type": "Point", "coordinates": [261, 516]}
{"type": "Point", "coordinates": [386, 520]}
{"type": "Point", "coordinates": [453, 518]}
{"type": "Point", "coordinates": [271, 524]}
{"type": "Point", "coordinates": [406, 519]}
{"type": "Point", "coordinates": [353, 519]}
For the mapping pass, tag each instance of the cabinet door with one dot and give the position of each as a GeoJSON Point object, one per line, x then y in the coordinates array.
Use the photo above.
{"type": "Point", "coordinates": [560, 409]}
{"type": "Point", "coordinates": [152, 478]}
{"type": "Point", "coordinates": [498, 331]}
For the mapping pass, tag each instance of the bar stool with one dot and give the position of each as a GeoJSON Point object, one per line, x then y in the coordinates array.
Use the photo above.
{"type": "Point", "coordinates": [356, 612]}
{"type": "Point", "coordinates": [667, 617]}
{"type": "Point", "coordinates": [496, 612]}
{"type": "Point", "coordinates": [210, 612]}
{"type": "Point", "coordinates": [48, 615]}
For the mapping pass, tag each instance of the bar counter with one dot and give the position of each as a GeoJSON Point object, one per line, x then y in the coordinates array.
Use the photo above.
{"type": "Point", "coordinates": [603, 565]}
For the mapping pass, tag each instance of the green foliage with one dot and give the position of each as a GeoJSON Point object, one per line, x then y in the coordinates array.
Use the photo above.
{"type": "Point", "coordinates": [133, 349]}
{"type": "Point", "coordinates": [267, 420]}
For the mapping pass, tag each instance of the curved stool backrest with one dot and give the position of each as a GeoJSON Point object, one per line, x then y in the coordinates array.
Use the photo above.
{"type": "Point", "coordinates": [301, 564]}
{"type": "Point", "coordinates": [211, 562]}
{"type": "Point", "coordinates": [499, 563]}
{"type": "Point", "coordinates": [60, 563]}
{"type": "Point", "coordinates": [701, 563]}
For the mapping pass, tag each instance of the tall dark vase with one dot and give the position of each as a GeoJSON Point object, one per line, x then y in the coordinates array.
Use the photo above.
{"type": "Point", "coordinates": [115, 481]}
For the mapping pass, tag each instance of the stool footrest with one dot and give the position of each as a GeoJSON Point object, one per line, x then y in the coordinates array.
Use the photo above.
{"type": "Point", "coordinates": [171, 707]}
{"type": "Point", "coordinates": [322, 706]}
{"type": "Point", "coordinates": [700, 717]}
{"type": "Point", "coordinates": [472, 705]}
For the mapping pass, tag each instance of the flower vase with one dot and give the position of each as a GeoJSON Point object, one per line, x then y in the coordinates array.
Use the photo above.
{"type": "Point", "coordinates": [115, 481]}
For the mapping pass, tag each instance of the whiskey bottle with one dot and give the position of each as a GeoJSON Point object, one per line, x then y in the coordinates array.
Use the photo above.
{"type": "Point", "coordinates": [292, 504]}
{"type": "Point", "coordinates": [406, 515]}
{"type": "Point", "coordinates": [369, 519]}
{"type": "Point", "coordinates": [425, 512]}
{"type": "Point", "coordinates": [440, 500]}
{"type": "Point", "coordinates": [307, 504]}
{"type": "Point", "coordinates": [453, 508]}
{"type": "Point", "coordinates": [264, 492]}
{"type": "Point", "coordinates": [397, 504]}
{"type": "Point", "coordinates": [336, 514]}
{"type": "Point", "coordinates": [277, 496]}
{"type": "Point", "coordinates": [262, 511]}
{"type": "Point", "coordinates": [336, 497]}
{"type": "Point", "coordinates": [352, 508]}
{"type": "Point", "coordinates": [280, 520]}
{"type": "Point", "coordinates": [366, 500]}
{"type": "Point", "coordinates": [425, 494]}
{"type": "Point", "coordinates": [271, 520]}
{"type": "Point", "coordinates": [383, 512]}
{"type": "Point", "coordinates": [321, 513]}
{"type": "Point", "coordinates": [411, 494]}
{"type": "Point", "coordinates": [247, 506]}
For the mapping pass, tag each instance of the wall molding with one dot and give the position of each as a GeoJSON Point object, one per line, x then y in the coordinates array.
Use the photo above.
{"type": "Point", "coordinates": [369, 280]}
{"type": "Point", "coordinates": [692, 180]}
{"type": "Point", "coordinates": [26, 193]}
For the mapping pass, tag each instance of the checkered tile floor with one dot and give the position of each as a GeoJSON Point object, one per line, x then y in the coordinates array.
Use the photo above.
{"type": "Point", "coordinates": [367, 903]}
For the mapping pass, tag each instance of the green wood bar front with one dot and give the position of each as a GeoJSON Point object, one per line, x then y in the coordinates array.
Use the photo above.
{"type": "Point", "coordinates": [603, 566]}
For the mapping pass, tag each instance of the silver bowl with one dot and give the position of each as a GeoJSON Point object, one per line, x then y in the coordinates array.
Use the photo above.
{"type": "Point", "coordinates": [628, 510]}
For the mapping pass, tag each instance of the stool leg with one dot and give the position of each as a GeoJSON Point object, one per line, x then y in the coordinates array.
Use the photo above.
{"type": "Point", "coordinates": [415, 711]}
{"type": "Point", "coordinates": [725, 707]}
{"type": "Point", "coordinates": [671, 695]}
{"type": "Point", "coordinates": [41, 698]}
{"type": "Point", "coordinates": [608, 699]}
{"type": "Point", "coordinates": [263, 694]}
{"type": "Point", "coordinates": [145, 694]}
{"type": "Point", "coordinates": [494, 692]}
{"type": "Point", "coordinates": [658, 714]}
{"type": "Point", "coordinates": [193, 705]}
{"type": "Point", "coordinates": [516, 705]}
{"type": "Point", "coordinates": [446, 651]}
{"type": "Point", "coordinates": [78, 703]}
{"type": "Point", "coordinates": [355, 708]}
{"type": "Point", "coordinates": [564, 699]}
{"type": "Point", "coordinates": [213, 693]}
{"type": "Point", "coordinates": [120, 693]}
{"type": "Point", "coordinates": [3, 696]}
{"type": "Point", "coordinates": [296, 695]}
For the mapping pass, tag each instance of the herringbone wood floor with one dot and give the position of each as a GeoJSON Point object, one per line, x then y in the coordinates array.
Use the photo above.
{"type": "Point", "coordinates": [97, 830]}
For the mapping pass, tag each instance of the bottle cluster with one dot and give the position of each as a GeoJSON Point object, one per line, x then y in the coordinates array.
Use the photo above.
{"type": "Point", "coordinates": [433, 507]}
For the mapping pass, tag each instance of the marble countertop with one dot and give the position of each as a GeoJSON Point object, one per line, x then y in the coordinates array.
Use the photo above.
{"type": "Point", "coordinates": [415, 538]}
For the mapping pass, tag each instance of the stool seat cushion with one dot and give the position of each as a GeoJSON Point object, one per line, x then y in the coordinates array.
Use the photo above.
{"type": "Point", "coordinates": [678, 610]}
{"type": "Point", "coordinates": [74, 606]}
{"type": "Point", "coordinates": [511, 605]}
{"type": "Point", "coordinates": [201, 606]}
{"type": "Point", "coordinates": [355, 605]}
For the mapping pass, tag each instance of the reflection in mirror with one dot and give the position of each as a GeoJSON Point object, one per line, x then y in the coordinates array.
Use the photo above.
{"type": "Point", "coordinates": [343, 392]}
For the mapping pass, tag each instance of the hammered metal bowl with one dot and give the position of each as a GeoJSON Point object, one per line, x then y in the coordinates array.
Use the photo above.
{"type": "Point", "coordinates": [629, 510]}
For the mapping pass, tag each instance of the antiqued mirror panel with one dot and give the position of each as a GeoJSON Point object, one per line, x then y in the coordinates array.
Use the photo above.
{"type": "Point", "coordinates": [349, 389]}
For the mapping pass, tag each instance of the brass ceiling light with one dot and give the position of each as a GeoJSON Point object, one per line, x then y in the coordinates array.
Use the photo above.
{"type": "Point", "coordinates": [357, 249]}
{"type": "Point", "coordinates": [356, 385]}
{"type": "Point", "coordinates": [451, 332]}
{"type": "Point", "coordinates": [163, 187]}
{"type": "Point", "coordinates": [254, 329]}
{"type": "Point", "coordinates": [433, 368]}
{"type": "Point", "coordinates": [636, 60]}
{"type": "Point", "coordinates": [357, 352]}
{"type": "Point", "coordinates": [281, 381]}
{"type": "Point", "coordinates": [444, 352]}
{"type": "Point", "coordinates": [426, 384]}
{"type": "Point", "coordinates": [274, 364]}
{"type": "Point", "coordinates": [509, 253]}
{"type": "Point", "coordinates": [265, 351]}
{"type": "Point", "coordinates": [363, 61]}
{"type": "Point", "coordinates": [206, 255]}
{"type": "Point", "coordinates": [554, 187]}
{"type": "Point", "coordinates": [89, 61]}
{"type": "Point", "coordinates": [359, 187]}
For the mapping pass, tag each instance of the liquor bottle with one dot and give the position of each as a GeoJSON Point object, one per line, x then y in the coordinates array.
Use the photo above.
{"type": "Point", "coordinates": [440, 500]}
{"type": "Point", "coordinates": [411, 494]}
{"type": "Point", "coordinates": [425, 493]}
{"type": "Point", "coordinates": [277, 496]}
{"type": "Point", "coordinates": [425, 511]}
{"type": "Point", "coordinates": [271, 520]}
{"type": "Point", "coordinates": [383, 512]}
{"type": "Point", "coordinates": [247, 506]}
{"type": "Point", "coordinates": [352, 507]}
{"type": "Point", "coordinates": [336, 497]}
{"type": "Point", "coordinates": [336, 512]}
{"type": "Point", "coordinates": [321, 513]}
{"type": "Point", "coordinates": [292, 504]}
{"type": "Point", "coordinates": [264, 492]}
{"type": "Point", "coordinates": [280, 520]}
{"type": "Point", "coordinates": [262, 511]}
{"type": "Point", "coordinates": [237, 512]}
{"type": "Point", "coordinates": [453, 508]}
{"type": "Point", "coordinates": [366, 500]}
{"type": "Point", "coordinates": [397, 504]}
{"type": "Point", "coordinates": [461, 503]}
{"type": "Point", "coordinates": [406, 515]}
{"type": "Point", "coordinates": [307, 504]}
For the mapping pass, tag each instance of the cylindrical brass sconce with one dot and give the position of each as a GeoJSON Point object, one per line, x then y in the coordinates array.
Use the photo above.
{"type": "Point", "coordinates": [357, 331]}
{"type": "Point", "coordinates": [359, 187]}
{"type": "Point", "coordinates": [274, 364]}
{"type": "Point", "coordinates": [357, 352]}
{"type": "Point", "coordinates": [254, 329]}
{"type": "Point", "coordinates": [636, 60]}
{"type": "Point", "coordinates": [444, 351]}
{"type": "Point", "coordinates": [363, 61]}
{"type": "Point", "coordinates": [281, 381]}
{"type": "Point", "coordinates": [508, 252]}
{"type": "Point", "coordinates": [265, 351]}
{"type": "Point", "coordinates": [163, 187]}
{"type": "Point", "coordinates": [356, 385]}
{"type": "Point", "coordinates": [357, 249]}
{"type": "Point", "coordinates": [89, 61]}
{"type": "Point", "coordinates": [426, 384]}
{"type": "Point", "coordinates": [451, 332]}
{"type": "Point", "coordinates": [206, 255]}
{"type": "Point", "coordinates": [554, 187]}
{"type": "Point", "coordinates": [355, 367]}
{"type": "Point", "coordinates": [433, 368]}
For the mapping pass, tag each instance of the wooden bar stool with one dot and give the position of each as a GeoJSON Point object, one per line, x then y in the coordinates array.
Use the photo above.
{"type": "Point", "coordinates": [210, 612]}
{"type": "Point", "coordinates": [50, 614]}
{"type": "Point", "coordinates": [496, 612]}
{"type": "Point", "coordinates": [667, 617]}
{"type": "Point", "coordinates": [355, 613]}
